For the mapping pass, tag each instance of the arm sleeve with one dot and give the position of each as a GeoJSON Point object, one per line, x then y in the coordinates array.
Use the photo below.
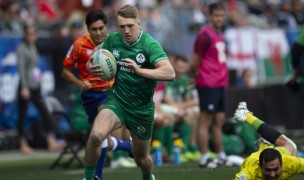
{"type": "Point", "coordinates": [202, 43]}
{"type": "Point", "coordinates": [21, 62]}
{"type": "Point", "coordinates": [156, 53]}
{"type": "Point", "coordinates": [71, 57]}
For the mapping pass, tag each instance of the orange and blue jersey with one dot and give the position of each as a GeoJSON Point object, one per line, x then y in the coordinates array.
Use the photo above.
{"type": "Point", "coordinates": [78, 56]}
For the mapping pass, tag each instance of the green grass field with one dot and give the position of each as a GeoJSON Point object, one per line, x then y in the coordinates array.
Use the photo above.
{"type": "Point", "coordinates": [38, 169]}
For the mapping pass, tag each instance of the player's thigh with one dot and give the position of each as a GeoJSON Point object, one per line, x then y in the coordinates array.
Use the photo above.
{"type": "Point", "coordinates": [141, 148]}
{"type": "Point", "coordinates": [105, 122]}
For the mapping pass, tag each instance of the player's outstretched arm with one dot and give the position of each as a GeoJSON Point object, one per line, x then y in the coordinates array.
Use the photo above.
{"type": "Point", "coordinates": [242, 114]}
{"type": "Point", "coordinates": [163, 71]}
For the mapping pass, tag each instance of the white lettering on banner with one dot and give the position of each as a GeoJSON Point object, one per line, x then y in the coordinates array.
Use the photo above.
{"type": "Point", "coordinates": [8, 87]}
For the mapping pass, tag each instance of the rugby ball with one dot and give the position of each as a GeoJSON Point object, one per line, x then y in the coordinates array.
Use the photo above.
{"type": "Point", "coordinates": [107, 63]}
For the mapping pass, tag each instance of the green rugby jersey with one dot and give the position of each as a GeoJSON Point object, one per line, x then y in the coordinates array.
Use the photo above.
{"type": "Point", "coordinates": [130, 88]}
{"type": "Point", "coordinates": [179, 89]}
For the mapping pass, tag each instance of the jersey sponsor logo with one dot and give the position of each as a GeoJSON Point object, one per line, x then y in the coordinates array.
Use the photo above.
{"type": "Point", "coordinates": [140, 58]}
{"type": "Point", "coordinates": [115, 53]}
{"type": "Point", "coordinates": [89, 51]}
{"type": "Point", "coordinates": [141, 130]}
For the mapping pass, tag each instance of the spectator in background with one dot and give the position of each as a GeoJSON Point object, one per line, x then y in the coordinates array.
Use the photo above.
{"type": "Point", "coordinates": [247, 79]}
{"type": "Point", "coordinates": [178, 95]}
{"type": "Point", "coordinates": [11, 20]}
{"type": "Point", "coordinates": [76, 29]}
{"type": "Point", "coordinates": [29, 90]}
{"type": "Point", "coordinates": [297, 59]}
{"type": "Point", "coordinates": [55, 48]}
{"type": "Point", "coordinates": [286, 20]}
{"type": "Point", "coordinates": [297, 11]}
{"type": "Point", "coordinates": [163, 121]}
{"type": "Point", "coordinates": [210, 68]}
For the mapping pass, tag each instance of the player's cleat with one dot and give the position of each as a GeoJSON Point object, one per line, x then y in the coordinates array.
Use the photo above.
{"type": "Point", "coordinates": [207, 164]}
{"type": "Point", "coordinates": [96, 178]}
{"type": "Point", "coordinates": [240, 113]}
{"type": "Point", "coordinates": [123, 162]}
{"type": "Point", "coordinates": [217, 163]}
{"type": "Point", "coordinates": [225, 163]}
{"type": "Point", "coordinates": [261, 144]}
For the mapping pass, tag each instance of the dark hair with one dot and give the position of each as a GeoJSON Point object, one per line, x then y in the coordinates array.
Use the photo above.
{"type": "Point", "coordinates": [215, 6]}
{"type": "Point", "coordinates": [128, 11]}
{"type": "Point", "coordinates": [181, 58]}
{"type": "Point", "coordinates": [94, 16]}
{"type": "Point", "coordinates": [269, 154]}
{"type": "Point", "coordinates": [26, 26]}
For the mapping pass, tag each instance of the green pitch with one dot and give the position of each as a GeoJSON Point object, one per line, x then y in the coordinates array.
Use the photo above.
{"type": "Point", "coordinates": [39, 169]}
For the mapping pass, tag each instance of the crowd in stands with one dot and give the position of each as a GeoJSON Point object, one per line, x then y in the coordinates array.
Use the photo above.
{"type": "Point", "coordinates": [174, 23]}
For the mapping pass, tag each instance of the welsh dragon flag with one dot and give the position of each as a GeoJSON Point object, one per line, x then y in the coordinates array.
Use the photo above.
{"type": "Point", "coordinates": [273, 56]}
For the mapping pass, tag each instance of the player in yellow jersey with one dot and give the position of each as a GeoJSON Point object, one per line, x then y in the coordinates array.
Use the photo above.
{"type": "Point", "coordinates": [276, 155]}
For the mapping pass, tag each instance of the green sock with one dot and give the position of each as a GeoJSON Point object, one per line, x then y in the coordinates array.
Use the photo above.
{"type": "Point", "coordinates": [89, 172]}
{"type": "Point", "coordinates": [185, 134]}
{"type": "Point", "coordinates": [147, 176]}
{"type": "Point", "coordinates": [169, 139]}
{"type": "Point", "coordinates": [159, 134]}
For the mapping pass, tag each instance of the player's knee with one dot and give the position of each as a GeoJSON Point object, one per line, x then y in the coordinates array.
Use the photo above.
{"type": "Point", "coordinates": [95, 139]}
{"type": "Point", "coordinates": [141, 160]}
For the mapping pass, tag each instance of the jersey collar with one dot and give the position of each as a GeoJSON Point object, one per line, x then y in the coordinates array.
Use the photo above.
{"type": "Point", "coordinates": [140, 34]}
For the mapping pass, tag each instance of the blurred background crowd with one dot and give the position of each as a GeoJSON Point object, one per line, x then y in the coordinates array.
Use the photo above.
{"type": "Point", "coordinates": [258, 35]}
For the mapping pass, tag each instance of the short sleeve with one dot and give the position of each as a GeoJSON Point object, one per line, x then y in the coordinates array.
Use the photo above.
{"type": "Point", "coordinates": [156, 52]}
{"type": "Point", "coordinates": [71, 57]}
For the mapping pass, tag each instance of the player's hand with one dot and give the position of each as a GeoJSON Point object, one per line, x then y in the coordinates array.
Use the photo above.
{"type": "Point", "coordinates": [25, 93]}
{"type": "Point", "coordinates": [94, 69]}
{"type": "Point", "coordinates": [84, 85]}
{"type": "Point", "coordinates": [132, 65]}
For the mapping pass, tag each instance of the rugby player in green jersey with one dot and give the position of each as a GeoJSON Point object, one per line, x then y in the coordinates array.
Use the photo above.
{"type": "Point", "coordinates": [141, 61]}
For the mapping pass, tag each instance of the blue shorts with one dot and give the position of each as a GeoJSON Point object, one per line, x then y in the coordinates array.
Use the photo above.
{"type": "Point", "coordinates": [211, 99]}
{"type": "Point", "coordinates": [91, 101]}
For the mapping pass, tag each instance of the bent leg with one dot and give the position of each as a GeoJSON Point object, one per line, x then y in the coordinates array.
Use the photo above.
{"type": "Point", "coordinates": [141, 152]}
{"type": "Point", "coordinates": [105, 122]}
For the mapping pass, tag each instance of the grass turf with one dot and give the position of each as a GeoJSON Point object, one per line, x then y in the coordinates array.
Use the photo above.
{"type": "Point", "coordinates": [39, 169]}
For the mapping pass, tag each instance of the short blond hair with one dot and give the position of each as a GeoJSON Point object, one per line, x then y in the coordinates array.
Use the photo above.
{"type": "Point", "coordinates": [128, 11]}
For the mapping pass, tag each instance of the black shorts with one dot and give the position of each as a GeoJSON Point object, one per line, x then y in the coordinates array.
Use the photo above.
{"type": "Point", "coordinates": [211, 99]}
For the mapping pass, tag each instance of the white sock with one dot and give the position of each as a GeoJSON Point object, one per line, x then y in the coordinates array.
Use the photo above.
{"type": "Point", "coordinates": [204, 158]}
{"type": "Point", "coordinates": [115, 143]}
{"type": "Point", "coordinates": [221, 155]}
{"type": "Point", "coordinates": [104, 143]}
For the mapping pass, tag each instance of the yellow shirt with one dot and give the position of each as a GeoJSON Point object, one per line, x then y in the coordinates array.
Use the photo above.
{"type": "Point", "coordinates": [250, 169]}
